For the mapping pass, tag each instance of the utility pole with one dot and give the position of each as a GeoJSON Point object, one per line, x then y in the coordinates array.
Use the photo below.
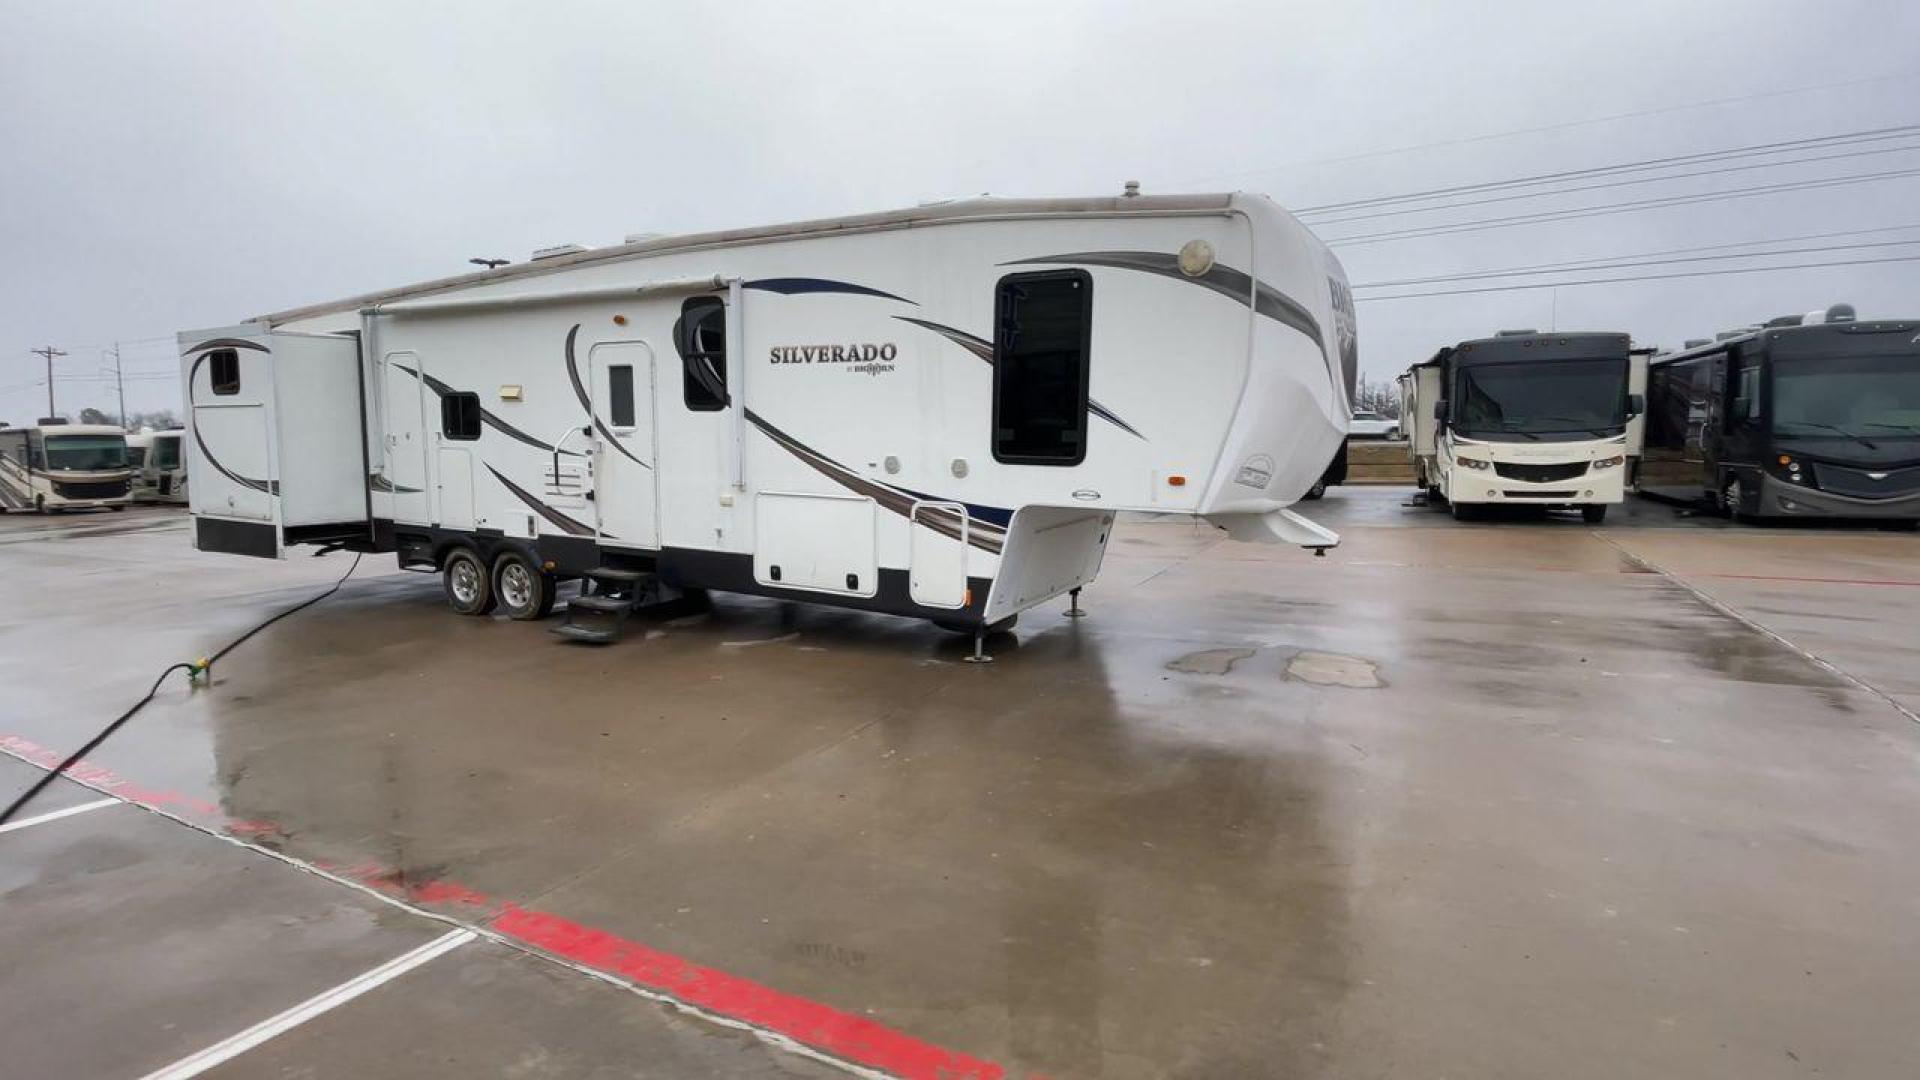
{"type": "Point", "coordinates": [49, 352]}
{"type": "Point", "coordinates": [120, 382]}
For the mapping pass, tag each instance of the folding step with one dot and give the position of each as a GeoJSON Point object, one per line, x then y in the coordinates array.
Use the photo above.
{"type": "Point", "coordinates": [595, 619]}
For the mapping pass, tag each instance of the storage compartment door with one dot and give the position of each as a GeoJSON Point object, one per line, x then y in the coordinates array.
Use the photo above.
{"type": "Point", "coordinates": [937, 575]}
{"type": "Point", "coordinates": [822, 543]}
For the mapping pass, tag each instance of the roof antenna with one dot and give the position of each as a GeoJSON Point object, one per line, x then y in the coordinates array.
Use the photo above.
{"type": "Point", "coordinates": [1132, 190]}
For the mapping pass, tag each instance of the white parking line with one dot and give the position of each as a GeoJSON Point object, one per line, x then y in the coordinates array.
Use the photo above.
{"type": "Point", "coordinates": [235, 1045]}
{"type": "Point", "coordinates": [56, 815]}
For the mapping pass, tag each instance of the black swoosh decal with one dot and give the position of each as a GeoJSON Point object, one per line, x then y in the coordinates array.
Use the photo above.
{"type": "Point", "coordinates": [793, 286]}
{"type": "Point", "coordinates": [983, 349]}
{"type": "Point", "coordinates": [580, 391]}
{"type": "Point", "coordinates": [486, 417]}
{"type": "Point", "coordinates": [228, 343]}
{"type": "Point", "coordinates": [1222, 279]}
{"type": "Point", "coordinates": [193, 419]}
{"type": "Point", "coordinates": [985, 535]}
{"type": "Point", "coordinates": [563, 522]}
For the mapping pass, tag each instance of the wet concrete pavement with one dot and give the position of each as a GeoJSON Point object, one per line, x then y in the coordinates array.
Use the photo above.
{"type": "Point", "coordinates": [1513, 798]}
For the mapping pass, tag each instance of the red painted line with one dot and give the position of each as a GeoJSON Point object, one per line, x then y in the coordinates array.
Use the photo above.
{"type": "Point", "coordinates": [842, 1034]}
{"type": "Point", "coordinates": [1812, 580]}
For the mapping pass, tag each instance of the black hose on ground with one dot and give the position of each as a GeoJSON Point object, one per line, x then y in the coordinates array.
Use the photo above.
{"type": "Point", "coordinates": [193, 670]}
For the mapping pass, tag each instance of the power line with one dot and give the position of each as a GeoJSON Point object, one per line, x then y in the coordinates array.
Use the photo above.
{"type": "Point", "coordinates": [1613, 208]}
{"type": "Point", "coordinates": [1821, 142]}
{"type": "Point", "coordinates": [1540, 129]}
{"type": "Point", "coordinates": [1463, 204]}
{"type": "Point", "coordinates": [1636, 277]}
{"type": "Point", "coordinates": [1625, 265]}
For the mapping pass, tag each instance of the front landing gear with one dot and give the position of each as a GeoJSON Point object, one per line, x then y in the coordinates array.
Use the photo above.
{"type": "Point", "coordinates": [980, 648]}
{"type": "Point", "coordinates": [1073, 611]}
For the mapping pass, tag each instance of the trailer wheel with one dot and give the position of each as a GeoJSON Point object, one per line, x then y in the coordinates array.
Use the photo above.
{"type": "Point", "coordinates": [464, 578]}
{"type": "Point", "coordinates": [524, 590]}
{"type": "Point", "coordinates": [1593, 515]}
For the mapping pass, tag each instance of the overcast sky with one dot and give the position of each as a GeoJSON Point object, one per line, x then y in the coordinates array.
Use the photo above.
{"type": "Point", "coordinates": [188, 164]}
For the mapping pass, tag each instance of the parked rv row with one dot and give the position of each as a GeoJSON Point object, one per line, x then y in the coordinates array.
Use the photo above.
{"type": "Point", "coordinates": [55, 466]}
{"type": "Point", "coordinates": [1814, 416]}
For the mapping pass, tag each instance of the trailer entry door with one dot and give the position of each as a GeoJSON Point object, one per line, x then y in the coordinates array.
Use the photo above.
{"type": "Point", "coordinates": [624, 492]}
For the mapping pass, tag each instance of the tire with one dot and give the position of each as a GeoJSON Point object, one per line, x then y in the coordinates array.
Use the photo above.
{"type": "Point", "coordinates": [464, 579]}
{"type": "Point", "coordinates": [1463, 511]}
{"type": "Point", "coordinates": [1593, 515]}
{"type": "Point", "coordinates": [1733, 495]}
{"type": "Point", "coordinates": [117, 507]}
{"type": "Point", "coordinates": [1318, 490]}
{"type": "Point", "coordinates": [522, 589]}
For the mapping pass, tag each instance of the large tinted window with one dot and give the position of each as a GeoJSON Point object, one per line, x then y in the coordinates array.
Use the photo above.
{"type": "Point", "coordinates": [700, 337]}
{"type": "Point", "coordinates": [1542, 397]}
{"type": "Point", "coordinates": [1041, 329]}
{"type": "Point", "coordinates": [166, 453]}
{"type": "Point", "coordinates": [1861, 396]}
{"type": "Point", "coordinates": [86, 452]}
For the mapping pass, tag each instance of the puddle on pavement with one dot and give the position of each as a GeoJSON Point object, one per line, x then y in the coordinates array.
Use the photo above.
{"type": "Point", "coordinates": [1333, 669]}
{"type": "Point", "coordinates": [1209, 661]}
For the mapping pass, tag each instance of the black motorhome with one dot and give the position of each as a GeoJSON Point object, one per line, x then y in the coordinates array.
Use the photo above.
{"type": "Point", "coordinates": [1815, 416]}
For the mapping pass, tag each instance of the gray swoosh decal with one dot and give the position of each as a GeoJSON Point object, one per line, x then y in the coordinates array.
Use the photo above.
{"type": "Point", "coordinates": [486, 417]}
{"type": "Point", "coordinates": [984, 535]}
{"type": "Point", "coordinates": [382, 484]}
{"type": "Point", "coordinates": [580, 391]}
{"type": "Point", "coordinates": [1222, 279]}
{"type": "Point", "coordinates": [983, 349]}
{"type": "Point", "coordinates": [566, 524]}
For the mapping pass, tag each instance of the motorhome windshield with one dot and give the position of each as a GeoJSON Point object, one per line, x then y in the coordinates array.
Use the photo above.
{"type": "Point", "coordinates": [1542, 397]}
{"type": "Point", "coordinates": [166, 453]}
{"type": "Point", "coordinates": [81, 452]}
{"type": "Point", "coordinates": [1862, 396]}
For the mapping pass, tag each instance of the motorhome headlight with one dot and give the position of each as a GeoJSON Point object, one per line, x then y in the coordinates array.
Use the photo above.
{"type": "Point", "coordinates": [1790, 468]}
{"type": "Point", "coordinates": [1610, 462]}
{"type": "Point", "coordinates": [1474, 463]}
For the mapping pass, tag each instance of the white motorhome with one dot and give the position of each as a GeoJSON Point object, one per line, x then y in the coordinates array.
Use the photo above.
{"type": "Point", "coordinates": [159, 463]}
{"type": "Point", "coordinates": [1526, 418]}
{"type": "Point", "coordinates": [933, 412]}
{"type": "Point", "coordinates": [56, 467]}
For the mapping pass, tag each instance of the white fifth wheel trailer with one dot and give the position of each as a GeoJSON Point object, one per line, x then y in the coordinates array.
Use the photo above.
{"type": "Point", "coordinates": [1526, 418]}
{"type": "Point", "coordinates": [58, 466]}
{"type": "Point", "coordinates": [933, 412]}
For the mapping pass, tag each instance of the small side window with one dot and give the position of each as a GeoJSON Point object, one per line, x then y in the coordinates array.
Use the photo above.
{"type": "Point", "coordinates": [700, 337]}
{"type": "Point", "coordinates": [223, 367]}
{"type": "Point", "coordinates": [460, 416]}
{"type": "Point", "coordinates": [620, 395]}
{"type": "Point", "coordinates": [1043, 323]}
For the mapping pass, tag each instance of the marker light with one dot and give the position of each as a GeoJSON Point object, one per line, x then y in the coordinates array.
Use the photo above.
{"type": "Point", "coordinates": [1196, 258]}
{"type": "Point", "coordinates": [1785, 460]}
{"type": "Point", "coordinates": [1176, 481]}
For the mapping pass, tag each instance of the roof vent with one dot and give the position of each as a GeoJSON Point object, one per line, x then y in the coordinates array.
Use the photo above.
{"type": "Point", "coordinates": [1515, 333]}
{"type": "Point", "coordinates": [1841, 313]}
{"type": "Point", "coordinates": [1131, 190]}
{"type": "Point", "coordinates": [556, 251]}
{"type": "Point", "coordinates": [1725, 334]}
{"type": "Point", "coordinates": [643, 237]}
{"type": "Point", "coordinates": [52, 421]}
{"type": "Point", "coordinates": [1694, 343]}
{"type": "Point", "coordinates": [1785, 320]}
